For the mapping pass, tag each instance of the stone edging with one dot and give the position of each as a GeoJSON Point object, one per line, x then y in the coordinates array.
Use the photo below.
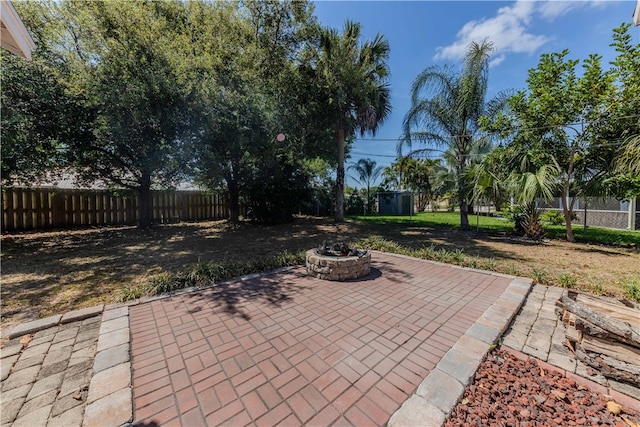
{"type": "Point", "coordinates": [58, 319]}
{"type": "Point", "coordinates": [441, 390]}
{"type": "Point", "coordinates": [110, 397]}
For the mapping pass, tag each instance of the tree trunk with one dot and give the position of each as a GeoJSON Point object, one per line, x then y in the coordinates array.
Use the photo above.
{"type": "Point", "coordinates": [234, 200]}
{"type": "Point", "coordinates": [464, 215]}
{"type": "Point", "coordinates": [567, 215]}
{"type": "Point", "coordinates": [145, 210]}
{"type": "Point", "coordinates": [339, 215]}
{"type": "Point", "coordinates": [368, 211]}
{"type": "Point", "coordinates": [464, 206]}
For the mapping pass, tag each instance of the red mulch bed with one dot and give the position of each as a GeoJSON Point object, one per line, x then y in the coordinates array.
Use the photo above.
{"type": "Point", "coordinates": [511, 392]}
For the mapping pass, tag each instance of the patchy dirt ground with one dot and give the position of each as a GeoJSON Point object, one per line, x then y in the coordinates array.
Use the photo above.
{"type": "Point", "coordinates": [511, 392]}
{"type": "Point", "coordinates": [56, 271]}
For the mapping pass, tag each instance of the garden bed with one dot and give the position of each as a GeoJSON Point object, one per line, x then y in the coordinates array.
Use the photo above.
{"type": "Point", "coordinates": [512, 392]}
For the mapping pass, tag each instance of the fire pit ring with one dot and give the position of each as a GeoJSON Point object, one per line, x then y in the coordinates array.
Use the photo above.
{"type": "Point", "coordinates": [329, 265]}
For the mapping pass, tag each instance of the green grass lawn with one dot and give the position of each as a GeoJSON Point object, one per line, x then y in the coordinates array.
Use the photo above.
{"type": "Point", "coordinates": [599, 235]}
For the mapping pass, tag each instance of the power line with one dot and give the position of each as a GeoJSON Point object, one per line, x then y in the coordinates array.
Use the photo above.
{"type": "Point", "coordinates": [631, 116]}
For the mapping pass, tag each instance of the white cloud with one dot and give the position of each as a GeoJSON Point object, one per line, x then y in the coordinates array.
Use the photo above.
{"type": "Point", "coordinates": [510, 29]}
{"type": "Point", "coordinates": [496, 60]}
{"type": "Point", "coordinates": [552, 9]}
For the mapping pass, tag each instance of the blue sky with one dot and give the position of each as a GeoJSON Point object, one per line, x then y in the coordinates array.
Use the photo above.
{"type": "Point", "coordinates": [426, 33]}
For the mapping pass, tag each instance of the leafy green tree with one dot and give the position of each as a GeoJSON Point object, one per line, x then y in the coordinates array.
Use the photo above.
{"type": "Point", "coordinates": [133, 82]}
{"type": "Point", "coordinates": [577, 131]}
{"type": "Point", "coordinates": [368, 172]}
{"type": "Point", "coordinates": [354, 82]}
{"type": "Point", "coordinates": [392, 175]}
{"type": "Point", "coordinates": [322, 187]}
{"type": "Point", "coordinates": [553, 126]}
{"type": "Point", "coordinates": [621, 124]}
{"type": "Point", "coordinates": [112, 68]}
{"type": "Point", "coordinates": [41, 114]}
{"type": "Point", "coordinates": [355, 203]}
{"type": "Point", "coordinates": [490, 178]}
{"type": "Point", "coordinates": [414, 174]}
{"type": "Point", "coordinates": [445, 112]}
{"type": "Point", "coordinates": [245, 87]}
{"type": "Point", "coordinates": [39, 120]}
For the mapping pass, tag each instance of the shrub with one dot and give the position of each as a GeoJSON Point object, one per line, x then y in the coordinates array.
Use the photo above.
{"type": "Point", "coordinates": [567, 280]}
{"type": "Point", "coordinates": [555, 217]}
{"type": "Point", "coordinates": [490, 264]}
{"type": "Point", "coordinates": [161, 283]}
{"type": "Point", "coordinates": [208, 273]}
{"type": "Point", "coordinates": [632, 291]}
{"type": "Point", "coordinates": [355, 204]}
{"type": "Point", "coordinates": [526, 220]}
{"type": "Point", "coordinates": [539, 275]}
{"type": "Point", "coordinates": [474, 262]}
{"type": "Point", "coordinates": [512, 269]}
{"type": "Point", "coordinates": [458, 256]}
{"type": "Point", "coordinates": [276, 191]}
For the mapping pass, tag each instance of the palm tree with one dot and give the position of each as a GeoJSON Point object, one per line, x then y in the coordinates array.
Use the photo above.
{"type": "Point", "coordinates": [368, 173]}
{"type": "Point", "coordinates": [629, 159]}
{"type": "Point", "coordinates": [446, 110]}
{"type": "Point", "coordinates": [354, 78]}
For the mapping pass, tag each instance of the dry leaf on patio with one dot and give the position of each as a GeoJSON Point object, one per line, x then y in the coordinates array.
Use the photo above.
{"type": "Point", "coordinates": [25, 340]}
{"type": "Point", "coordinates": [614, 407]}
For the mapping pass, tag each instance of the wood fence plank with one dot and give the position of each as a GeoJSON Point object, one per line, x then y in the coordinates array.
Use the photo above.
{"type": "Point", "coordinates": [46, 208]}
{"type": "Point", "coordinates": [19, 204]}
{"type": "Point", "coordinates": [39, 208]}
{"type": "Point", "coordinates": [93, 214]}
{"type": "Point", "coordinates": [28, 209]}
{"type": "Point", "coordinates": [7, 210]}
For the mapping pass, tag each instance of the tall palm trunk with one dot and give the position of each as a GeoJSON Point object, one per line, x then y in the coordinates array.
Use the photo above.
{"type": "Point", "coordinates": [462, 198]}
{"type": "Point", "coordinates": [567, 211]}
{"type": "Point", "coordinates": [339, 215]}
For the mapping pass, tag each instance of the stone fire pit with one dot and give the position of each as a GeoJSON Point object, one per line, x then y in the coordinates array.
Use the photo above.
{"type": "Point", "coordinates": [338, 262]}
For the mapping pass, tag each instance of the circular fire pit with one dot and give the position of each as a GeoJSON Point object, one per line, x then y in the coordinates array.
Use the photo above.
{"type": "Point", "coordinates": [330, 266]}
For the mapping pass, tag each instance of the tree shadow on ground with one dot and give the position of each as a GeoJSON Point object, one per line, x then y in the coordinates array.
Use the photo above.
{"type": "Point", "coordinates": [605, 251]}
{"type": "Point", "coordinates": [51, 272]}
{"type": "Point", "coordinates": [233, 296]}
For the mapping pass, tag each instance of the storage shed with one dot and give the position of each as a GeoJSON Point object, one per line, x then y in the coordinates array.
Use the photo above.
{"type": "Point", "coordinates": [395, 203]}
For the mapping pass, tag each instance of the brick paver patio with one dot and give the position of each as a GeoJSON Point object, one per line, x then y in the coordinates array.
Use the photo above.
{"type": "Point", "coordinates": [290, 349]}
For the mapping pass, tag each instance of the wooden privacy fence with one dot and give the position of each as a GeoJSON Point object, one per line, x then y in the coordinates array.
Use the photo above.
{"type": "Point", "coordinates": [37, 208]}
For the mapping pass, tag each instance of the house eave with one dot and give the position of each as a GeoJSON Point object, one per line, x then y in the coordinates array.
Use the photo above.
{"type": "Point", "coordinates": [13, 34]}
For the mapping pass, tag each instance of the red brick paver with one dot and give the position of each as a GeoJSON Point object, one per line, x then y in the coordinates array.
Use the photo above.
{"type": "Point", "coordinates": [288, 349]}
